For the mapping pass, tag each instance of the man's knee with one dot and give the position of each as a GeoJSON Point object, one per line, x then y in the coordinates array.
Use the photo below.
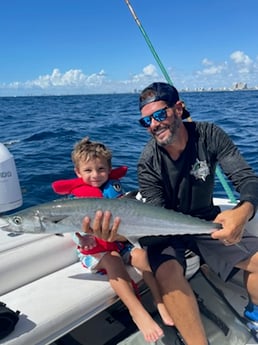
{"type": "Point", "coordinates": [168, 269]}
{"type": "Point", "coordinates": [139, 259]}
{"type": "Point", "coordinates": [249, 265]}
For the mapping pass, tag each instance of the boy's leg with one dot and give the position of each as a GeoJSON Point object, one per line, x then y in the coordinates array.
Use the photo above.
{"type": "Point", "coordinates": [121, 283]}
{"type": "Point", "coordinates": [139, 260]}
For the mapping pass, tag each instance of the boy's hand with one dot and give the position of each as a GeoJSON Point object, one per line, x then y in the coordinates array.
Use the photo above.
{"type": "Point", "coordinates": [101, 226]}
{"type": "Point", "coordinates": [86, 241]}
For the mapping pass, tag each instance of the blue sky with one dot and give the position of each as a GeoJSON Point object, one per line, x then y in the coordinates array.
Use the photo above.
{"type": "Point", "coordinates": [83, 46]}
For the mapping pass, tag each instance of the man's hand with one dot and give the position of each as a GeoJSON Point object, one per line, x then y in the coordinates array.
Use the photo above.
{"type": "Point", "coordinates": [101, 226]}
{"type": "Point", "coordinates": [233, 223]}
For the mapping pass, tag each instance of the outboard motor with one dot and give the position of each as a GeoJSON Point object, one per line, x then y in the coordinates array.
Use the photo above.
{"type": "Point", "coordinates": [10, 191]}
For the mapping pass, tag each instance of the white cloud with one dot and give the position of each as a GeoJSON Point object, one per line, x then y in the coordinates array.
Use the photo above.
{"type": "Point", "coordinates": [70, 78]}
{"type": "Point", "coordinates": [71, 81]}
{"type": "Point", "coordinates": [238, 68]}
{"type": "Point", "coordinates": [148, 71]}
{"type": "Point", "coordinates": [212, 70]}
{"type": "Point", "coordinates": [241, 58]}
{"type": "Point", "coordinates": [207, 62]}
{"type": "Point", "coordinates": [244, 64]}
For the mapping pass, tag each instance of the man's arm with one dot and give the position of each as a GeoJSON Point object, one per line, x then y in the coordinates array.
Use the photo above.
{"type": "Point", "coordinates": [233, 223]}
{"type": "Point", "coordinates": [235, 167]}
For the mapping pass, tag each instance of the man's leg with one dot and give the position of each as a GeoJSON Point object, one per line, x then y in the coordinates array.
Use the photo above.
{"type": "Point", "coordinates": [181, 303]}
{"type": "Point", "coordinates": [250, 267]}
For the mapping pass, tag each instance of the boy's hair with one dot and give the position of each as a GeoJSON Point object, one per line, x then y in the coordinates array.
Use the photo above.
{"type": "Point", "coordinates": [85, 150]}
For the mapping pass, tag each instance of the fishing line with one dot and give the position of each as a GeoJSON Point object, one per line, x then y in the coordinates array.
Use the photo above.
{"type": "Point", "coordinates": [168, 79]}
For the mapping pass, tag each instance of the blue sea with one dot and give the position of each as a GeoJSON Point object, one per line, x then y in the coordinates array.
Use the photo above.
{"type": "Point", "coordinates": [40, 132]}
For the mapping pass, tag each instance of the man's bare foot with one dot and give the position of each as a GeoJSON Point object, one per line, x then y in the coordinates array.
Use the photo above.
{"type": "Point", "coordinates": [149, 328]}
{"type": "Point", "coordinates": [166, 318]}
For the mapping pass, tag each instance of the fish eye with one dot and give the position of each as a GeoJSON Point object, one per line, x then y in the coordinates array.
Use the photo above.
{"type": "Point", "coordinates": [17, 220]}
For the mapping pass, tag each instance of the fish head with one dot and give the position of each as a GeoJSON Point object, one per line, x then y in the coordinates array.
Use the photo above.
{"type": "Point", "coordinates": [21, 222]}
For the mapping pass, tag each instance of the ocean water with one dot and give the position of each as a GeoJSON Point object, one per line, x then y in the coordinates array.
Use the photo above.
{"type": "Point", "coordinates": [40, 132]}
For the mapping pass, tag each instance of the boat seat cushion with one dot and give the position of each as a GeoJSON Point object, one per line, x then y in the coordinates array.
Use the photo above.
{"type": "Point", "coordinates": [29, 257]}
{"type": "Point", "coordinates": [57, 303]}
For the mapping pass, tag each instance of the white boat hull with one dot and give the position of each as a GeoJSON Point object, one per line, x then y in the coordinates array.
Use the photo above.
{"type": "Point", "coordinates": [41, 277]}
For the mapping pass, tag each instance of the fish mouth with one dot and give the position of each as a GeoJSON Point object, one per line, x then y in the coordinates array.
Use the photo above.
{"type": "Point", "coordinates": [4, 225]}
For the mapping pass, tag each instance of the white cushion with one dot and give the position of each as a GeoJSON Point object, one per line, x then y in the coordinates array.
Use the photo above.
{"type": "Point", "coordinates": [28, 257]}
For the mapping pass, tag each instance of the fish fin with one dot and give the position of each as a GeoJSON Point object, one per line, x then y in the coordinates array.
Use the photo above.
{"type": "Point", "coordinates": [54, 219]}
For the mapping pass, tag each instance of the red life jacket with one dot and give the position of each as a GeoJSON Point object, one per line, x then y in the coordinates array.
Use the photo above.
{"type": "Point", "coordinates": [101, 246]}
{"type": "Point", "coordinates": [78, 188]}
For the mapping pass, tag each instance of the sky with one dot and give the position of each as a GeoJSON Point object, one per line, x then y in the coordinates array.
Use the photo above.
{"type": "Point", "coordinates": [86, 47]}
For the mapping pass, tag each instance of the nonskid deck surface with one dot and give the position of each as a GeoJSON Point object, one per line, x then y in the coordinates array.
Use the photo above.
{"type": "Point", "coordinates": [118, 328]}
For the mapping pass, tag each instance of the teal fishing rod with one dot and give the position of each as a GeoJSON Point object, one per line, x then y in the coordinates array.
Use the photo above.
{"type": "Point", "coordinates": [148, 41]}
{"type": "Point", "coordinates": [168, 79]}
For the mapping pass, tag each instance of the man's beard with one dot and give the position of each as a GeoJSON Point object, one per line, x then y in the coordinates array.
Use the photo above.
{"type": "Point", "coordinates": [173, 129]}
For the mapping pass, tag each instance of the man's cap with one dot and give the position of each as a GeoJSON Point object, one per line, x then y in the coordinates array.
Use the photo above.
{"type": "Point", "coordinates": [159, 92]}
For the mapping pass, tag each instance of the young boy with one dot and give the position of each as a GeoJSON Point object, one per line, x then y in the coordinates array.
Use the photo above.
{"type": "Point", "coordinates": [93, 167]}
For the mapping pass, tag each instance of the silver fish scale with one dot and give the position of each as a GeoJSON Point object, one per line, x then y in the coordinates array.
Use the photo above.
{"type": "Point", "coordinates": [137, 219]}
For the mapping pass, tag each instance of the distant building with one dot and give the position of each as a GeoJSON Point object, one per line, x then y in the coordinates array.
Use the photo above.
{"type": "Point", "coordinates": [240, 86]}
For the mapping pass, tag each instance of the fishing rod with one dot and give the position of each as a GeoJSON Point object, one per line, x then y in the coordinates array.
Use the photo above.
{"type": "Point", "coordinates": [164, 71]}
{"type": "Point", "coordinates": [148, 41]}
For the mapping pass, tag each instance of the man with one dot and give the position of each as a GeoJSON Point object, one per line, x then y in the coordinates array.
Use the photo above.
{"type": "Point", "coordinates": [176, 170]}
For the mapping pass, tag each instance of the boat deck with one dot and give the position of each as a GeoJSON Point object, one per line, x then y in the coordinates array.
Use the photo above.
{"type": "Point", "coordinates": [42, 278]}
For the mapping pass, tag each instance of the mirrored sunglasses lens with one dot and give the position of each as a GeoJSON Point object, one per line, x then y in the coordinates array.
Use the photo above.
{"type": "Point", "coordinates": [160, 115]}
{"type": "Point", "coordinates": [145, 121]}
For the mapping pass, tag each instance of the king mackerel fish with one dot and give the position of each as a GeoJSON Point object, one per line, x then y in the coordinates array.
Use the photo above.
{"type": "Point", "coordinates": [137, 219]}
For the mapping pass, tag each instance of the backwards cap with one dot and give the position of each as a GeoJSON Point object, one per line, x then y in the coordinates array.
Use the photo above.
{"type": "Point", "coordinates": [159, 92]}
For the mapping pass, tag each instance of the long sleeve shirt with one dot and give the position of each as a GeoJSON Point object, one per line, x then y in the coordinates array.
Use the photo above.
{"type": "Point", "coordinates": [187, 184]}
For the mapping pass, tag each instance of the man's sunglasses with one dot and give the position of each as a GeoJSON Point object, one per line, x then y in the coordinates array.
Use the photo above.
{"type": "Point", "coordinates": [159, 115]}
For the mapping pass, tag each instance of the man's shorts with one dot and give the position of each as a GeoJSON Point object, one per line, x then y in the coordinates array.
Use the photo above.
{"type": "Point", "coordinates": [220, 258]}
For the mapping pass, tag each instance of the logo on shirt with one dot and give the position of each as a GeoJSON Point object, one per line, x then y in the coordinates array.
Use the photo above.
{"type": "Point", "coordinates": [200, 170]}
